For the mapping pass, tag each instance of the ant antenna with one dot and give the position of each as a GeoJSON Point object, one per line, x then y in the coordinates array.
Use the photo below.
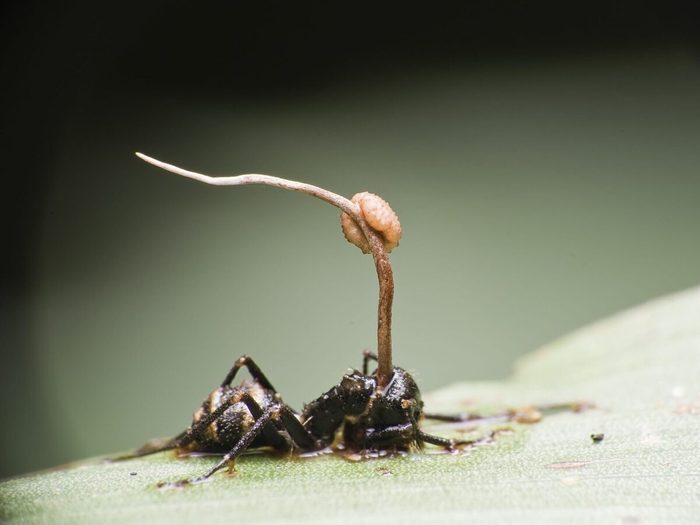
{"type": "Point", "coordinates": [355, 211]}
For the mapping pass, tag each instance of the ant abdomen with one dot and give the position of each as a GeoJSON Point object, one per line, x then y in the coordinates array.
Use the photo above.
{"type": "Point", "coordinates": [243, 405]}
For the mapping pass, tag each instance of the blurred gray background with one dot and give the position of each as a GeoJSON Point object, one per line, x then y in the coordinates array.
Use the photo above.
{"type": "Point", "coordinates": [544, 166]}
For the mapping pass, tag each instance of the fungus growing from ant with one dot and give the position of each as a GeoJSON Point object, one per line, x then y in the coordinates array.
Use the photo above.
{"type": "Point", "coordinates": [367, 221]}
{"type": "Point", "coordinates": [368, 414]}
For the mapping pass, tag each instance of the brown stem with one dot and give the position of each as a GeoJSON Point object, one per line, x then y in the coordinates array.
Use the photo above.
{"type": "Point", "coordinates": [385, 274]}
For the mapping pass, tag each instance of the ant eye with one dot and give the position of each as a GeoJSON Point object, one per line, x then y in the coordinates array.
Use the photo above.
{"type": "Point", "coordinates": [350, 383]}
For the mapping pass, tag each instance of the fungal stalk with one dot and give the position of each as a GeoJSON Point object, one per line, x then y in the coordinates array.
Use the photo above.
{"type": "Point", "coordinates": [367, 222]}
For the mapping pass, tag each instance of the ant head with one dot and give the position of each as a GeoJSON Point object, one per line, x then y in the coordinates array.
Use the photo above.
{"type": "Point", "coordinates": [356, 389]}
{"type": "Point", "coordinates": [395, 408]}
{"type": "Point", "coordinates": [401, 399]}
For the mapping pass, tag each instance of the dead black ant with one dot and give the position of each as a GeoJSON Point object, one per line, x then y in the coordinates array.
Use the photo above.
{"type": "Point", "coordinates": [233, 419]}
{"type": "Point", "coordinates": [376, 413]}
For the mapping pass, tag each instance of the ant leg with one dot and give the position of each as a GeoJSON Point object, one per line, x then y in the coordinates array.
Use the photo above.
{"type": "Point", "coordinates": [244, 442]}
{"type": "Point", "coordinates": [408, 429]}
{"type": "Point", "coordinates": [253, 369]}
{"type": "Point", "coordinates": [366, 357]}
{"type": "Point", "coordinates": [271, 431]}
{"type": "Point", "coordinates": [439, 441]}
{"type": "Point", "coordinates": [287, 421]}
{"type": "Point", "coordinates": [390, 433]}
{"type": "Point", "coordinates": [464, 418]}
{"type": "Point", "coordinates": [452, 444]}
{"type": "Point", "coordinates": [301, 437]}
{"type": "Point", "coordinates": [525, 414]}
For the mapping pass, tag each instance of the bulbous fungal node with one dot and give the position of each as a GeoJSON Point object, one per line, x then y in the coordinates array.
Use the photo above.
{"type": "Point", "coordinates": [378, 215]}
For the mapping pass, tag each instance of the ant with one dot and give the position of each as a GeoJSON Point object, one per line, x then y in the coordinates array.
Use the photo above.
{"type": "Point", "coordinates": [233, 419]}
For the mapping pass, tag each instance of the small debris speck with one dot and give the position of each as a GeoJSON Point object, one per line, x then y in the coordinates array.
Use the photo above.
{"type": "Point", "coordinates": [132, 473]}
{"type": "Point", "coordinates": [527, 415]}
{"type": "Point", "coordinates": [598, 437]}
{"type": "Point", "coordinates": [567, 464]}
{"type": "Point", "coordinates": [692, 409]}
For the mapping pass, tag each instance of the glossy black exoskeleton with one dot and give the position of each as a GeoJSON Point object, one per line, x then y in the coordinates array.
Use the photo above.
{"type": "Point", "coordinates": [233, 419]}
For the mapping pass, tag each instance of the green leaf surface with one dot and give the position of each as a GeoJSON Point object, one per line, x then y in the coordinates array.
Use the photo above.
{"type": "Point", "coordinates": [640, 369]}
